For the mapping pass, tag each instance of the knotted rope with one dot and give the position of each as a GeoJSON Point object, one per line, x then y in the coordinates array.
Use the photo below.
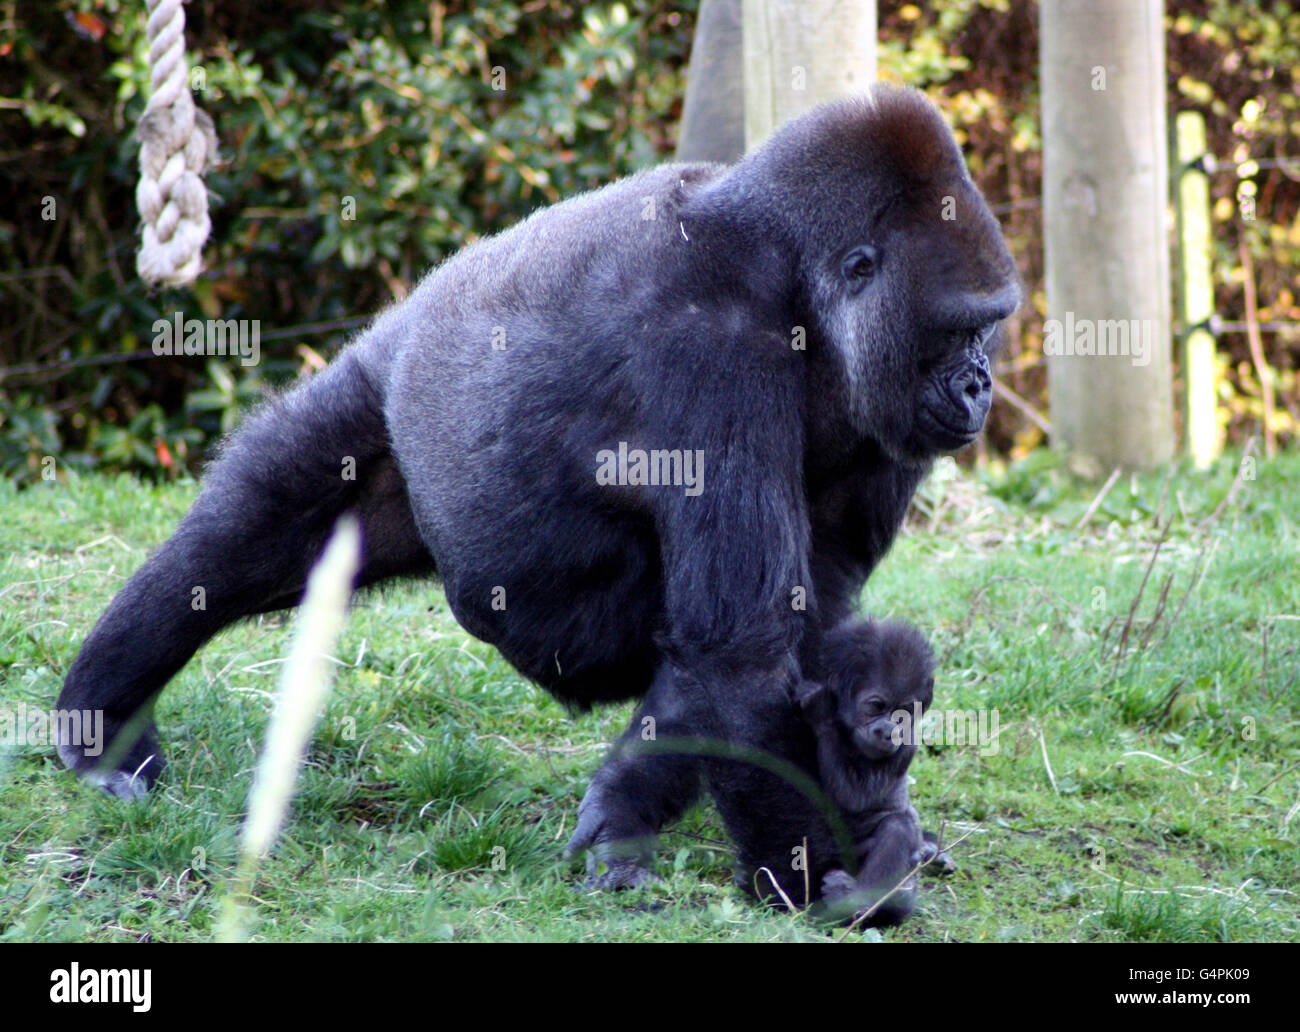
{"type": "Point", "coordinates": [177, 142]}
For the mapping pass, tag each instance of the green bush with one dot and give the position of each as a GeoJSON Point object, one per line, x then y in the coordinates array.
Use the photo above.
{"type": "Point", "coordinates": [360, 145]}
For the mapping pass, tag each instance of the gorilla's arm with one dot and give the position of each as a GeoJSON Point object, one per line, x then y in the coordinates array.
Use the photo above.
{"type": "Point", "coordinates": [642, 786]}
{"type": "Point", "coordinates": [856, 514]}
{"type": "Point", "coordinates": [734, 558]}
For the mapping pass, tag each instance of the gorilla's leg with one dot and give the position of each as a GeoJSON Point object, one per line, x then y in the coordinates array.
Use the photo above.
{"type": "Point", "coordinates": [266, 509]}
{"type": "Point", "coordinates": [641, 787]}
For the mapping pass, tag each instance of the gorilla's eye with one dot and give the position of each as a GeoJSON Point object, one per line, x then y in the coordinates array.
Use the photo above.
{"type": "Point", "coordinates": [860, 264]}
{"type": "Point", "coordinates": [872, 707]}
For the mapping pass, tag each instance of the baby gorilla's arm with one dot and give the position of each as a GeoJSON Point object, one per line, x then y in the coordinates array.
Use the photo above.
{"type": "Point", "coordinates": [886, 883]}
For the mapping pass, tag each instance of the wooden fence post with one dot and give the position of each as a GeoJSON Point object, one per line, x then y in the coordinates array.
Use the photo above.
{"type": "Point", "coordinates": [1204, 441]}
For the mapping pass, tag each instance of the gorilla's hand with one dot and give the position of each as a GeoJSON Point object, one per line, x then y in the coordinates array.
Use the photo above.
{"type": "Point", "coordinates": [845, 898]}
{"type": "Point", "coordinates": [936, 860]}
{"type": "Point", "coordinates": [612, 835]}
{"type": "Point", "coordinates": [130, 763]}
{"type": "Point", "coordinates": [837, 884]}
{"type": "Point", "coordinates": [928, 855]}
{"type": "Point", "coordinates": [924, 854]}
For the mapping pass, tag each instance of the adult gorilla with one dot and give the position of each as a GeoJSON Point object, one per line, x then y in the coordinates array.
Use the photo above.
{"type": "Point", "coordinates": [792, 339]}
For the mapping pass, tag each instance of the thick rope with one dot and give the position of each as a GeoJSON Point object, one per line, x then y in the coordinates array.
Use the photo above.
{"type": "Point", "coordinates": [177, 142]}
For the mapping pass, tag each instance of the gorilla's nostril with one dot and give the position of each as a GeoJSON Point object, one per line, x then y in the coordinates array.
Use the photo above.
{"type": "Point", "coordinates": [974, 388]}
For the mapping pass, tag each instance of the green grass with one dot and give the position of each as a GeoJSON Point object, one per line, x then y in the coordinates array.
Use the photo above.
{"type": "Point", "coordinates": [1150, 793]}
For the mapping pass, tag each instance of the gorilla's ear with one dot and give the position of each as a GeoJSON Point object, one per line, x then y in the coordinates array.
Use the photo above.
{"type": "Point", "coordinates": [815, 700]}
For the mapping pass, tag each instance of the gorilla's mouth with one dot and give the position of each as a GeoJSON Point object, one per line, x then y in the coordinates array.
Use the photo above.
{"type": "Point", "coordinates": [874, 748]}
{"type": "Point", "coordinates": [960, 436]}
{"type": "Point", "coordinates": [949, 436]}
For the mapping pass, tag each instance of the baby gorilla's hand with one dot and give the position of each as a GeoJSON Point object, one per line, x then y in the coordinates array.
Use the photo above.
{"type": "Point", "coordinates": [837, 884]}
{"type": "Point", "coordinates": [815, 701]}
{"type": "Point", "coordinates": [845, 899]}
{"type": "Point", "coordinates": [936, 860]}
{"type": "Point", "coordinates": [924, 854]}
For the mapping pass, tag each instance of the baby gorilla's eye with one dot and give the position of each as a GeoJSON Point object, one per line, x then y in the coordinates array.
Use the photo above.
{"type": "Point", "coordinates": [871, 707]}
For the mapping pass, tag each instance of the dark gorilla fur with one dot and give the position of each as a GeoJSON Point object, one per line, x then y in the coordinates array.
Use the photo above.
{"type": "Point", "coordinates": [875, 672]}
{"type": "Point", "coordinates": [816, 320]}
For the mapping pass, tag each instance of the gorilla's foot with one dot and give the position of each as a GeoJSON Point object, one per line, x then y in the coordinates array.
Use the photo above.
{"type": "Point", "coordinates": [124, 760]}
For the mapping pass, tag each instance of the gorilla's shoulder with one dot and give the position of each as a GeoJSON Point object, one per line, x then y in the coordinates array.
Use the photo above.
{"type": "Point", "coordinates": [627, 223]}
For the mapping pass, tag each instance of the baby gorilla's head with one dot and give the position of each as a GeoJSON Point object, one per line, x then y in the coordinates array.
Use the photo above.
{"type": "Point", "coordinates": [874, 671]}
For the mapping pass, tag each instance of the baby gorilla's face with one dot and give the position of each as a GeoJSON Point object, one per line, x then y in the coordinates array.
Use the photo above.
{"type": "Point", "coordinates": [883, 680]}
{"type": "Point", "coordinates": [884, 715]}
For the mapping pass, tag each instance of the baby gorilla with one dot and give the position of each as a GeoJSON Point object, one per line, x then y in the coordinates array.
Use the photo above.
{"type": "Point", "coordinates": [879, 680]}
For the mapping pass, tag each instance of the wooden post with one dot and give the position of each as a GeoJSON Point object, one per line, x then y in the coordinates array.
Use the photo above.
{"type": "Point", "coordinates": [1105, 198]}
{"type": "Point", "coordinates": [1196, 291]}
{"type": "Point", "coordinates": [801, 52]}
{"type": "Point", "coordinates": [713, 113]}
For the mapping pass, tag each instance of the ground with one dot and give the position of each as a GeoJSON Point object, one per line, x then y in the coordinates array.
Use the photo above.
{"type": "Point", "coordinates": [1143, 783]}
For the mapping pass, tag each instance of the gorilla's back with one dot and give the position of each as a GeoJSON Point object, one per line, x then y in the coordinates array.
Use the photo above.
{"type": "Point", "coordinates": [565, 267]}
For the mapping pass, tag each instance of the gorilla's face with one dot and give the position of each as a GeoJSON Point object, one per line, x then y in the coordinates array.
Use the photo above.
{"type": "Point", "coordinates": [912, 302]}
{"type": "Point", "coordinates": [871, 713]}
